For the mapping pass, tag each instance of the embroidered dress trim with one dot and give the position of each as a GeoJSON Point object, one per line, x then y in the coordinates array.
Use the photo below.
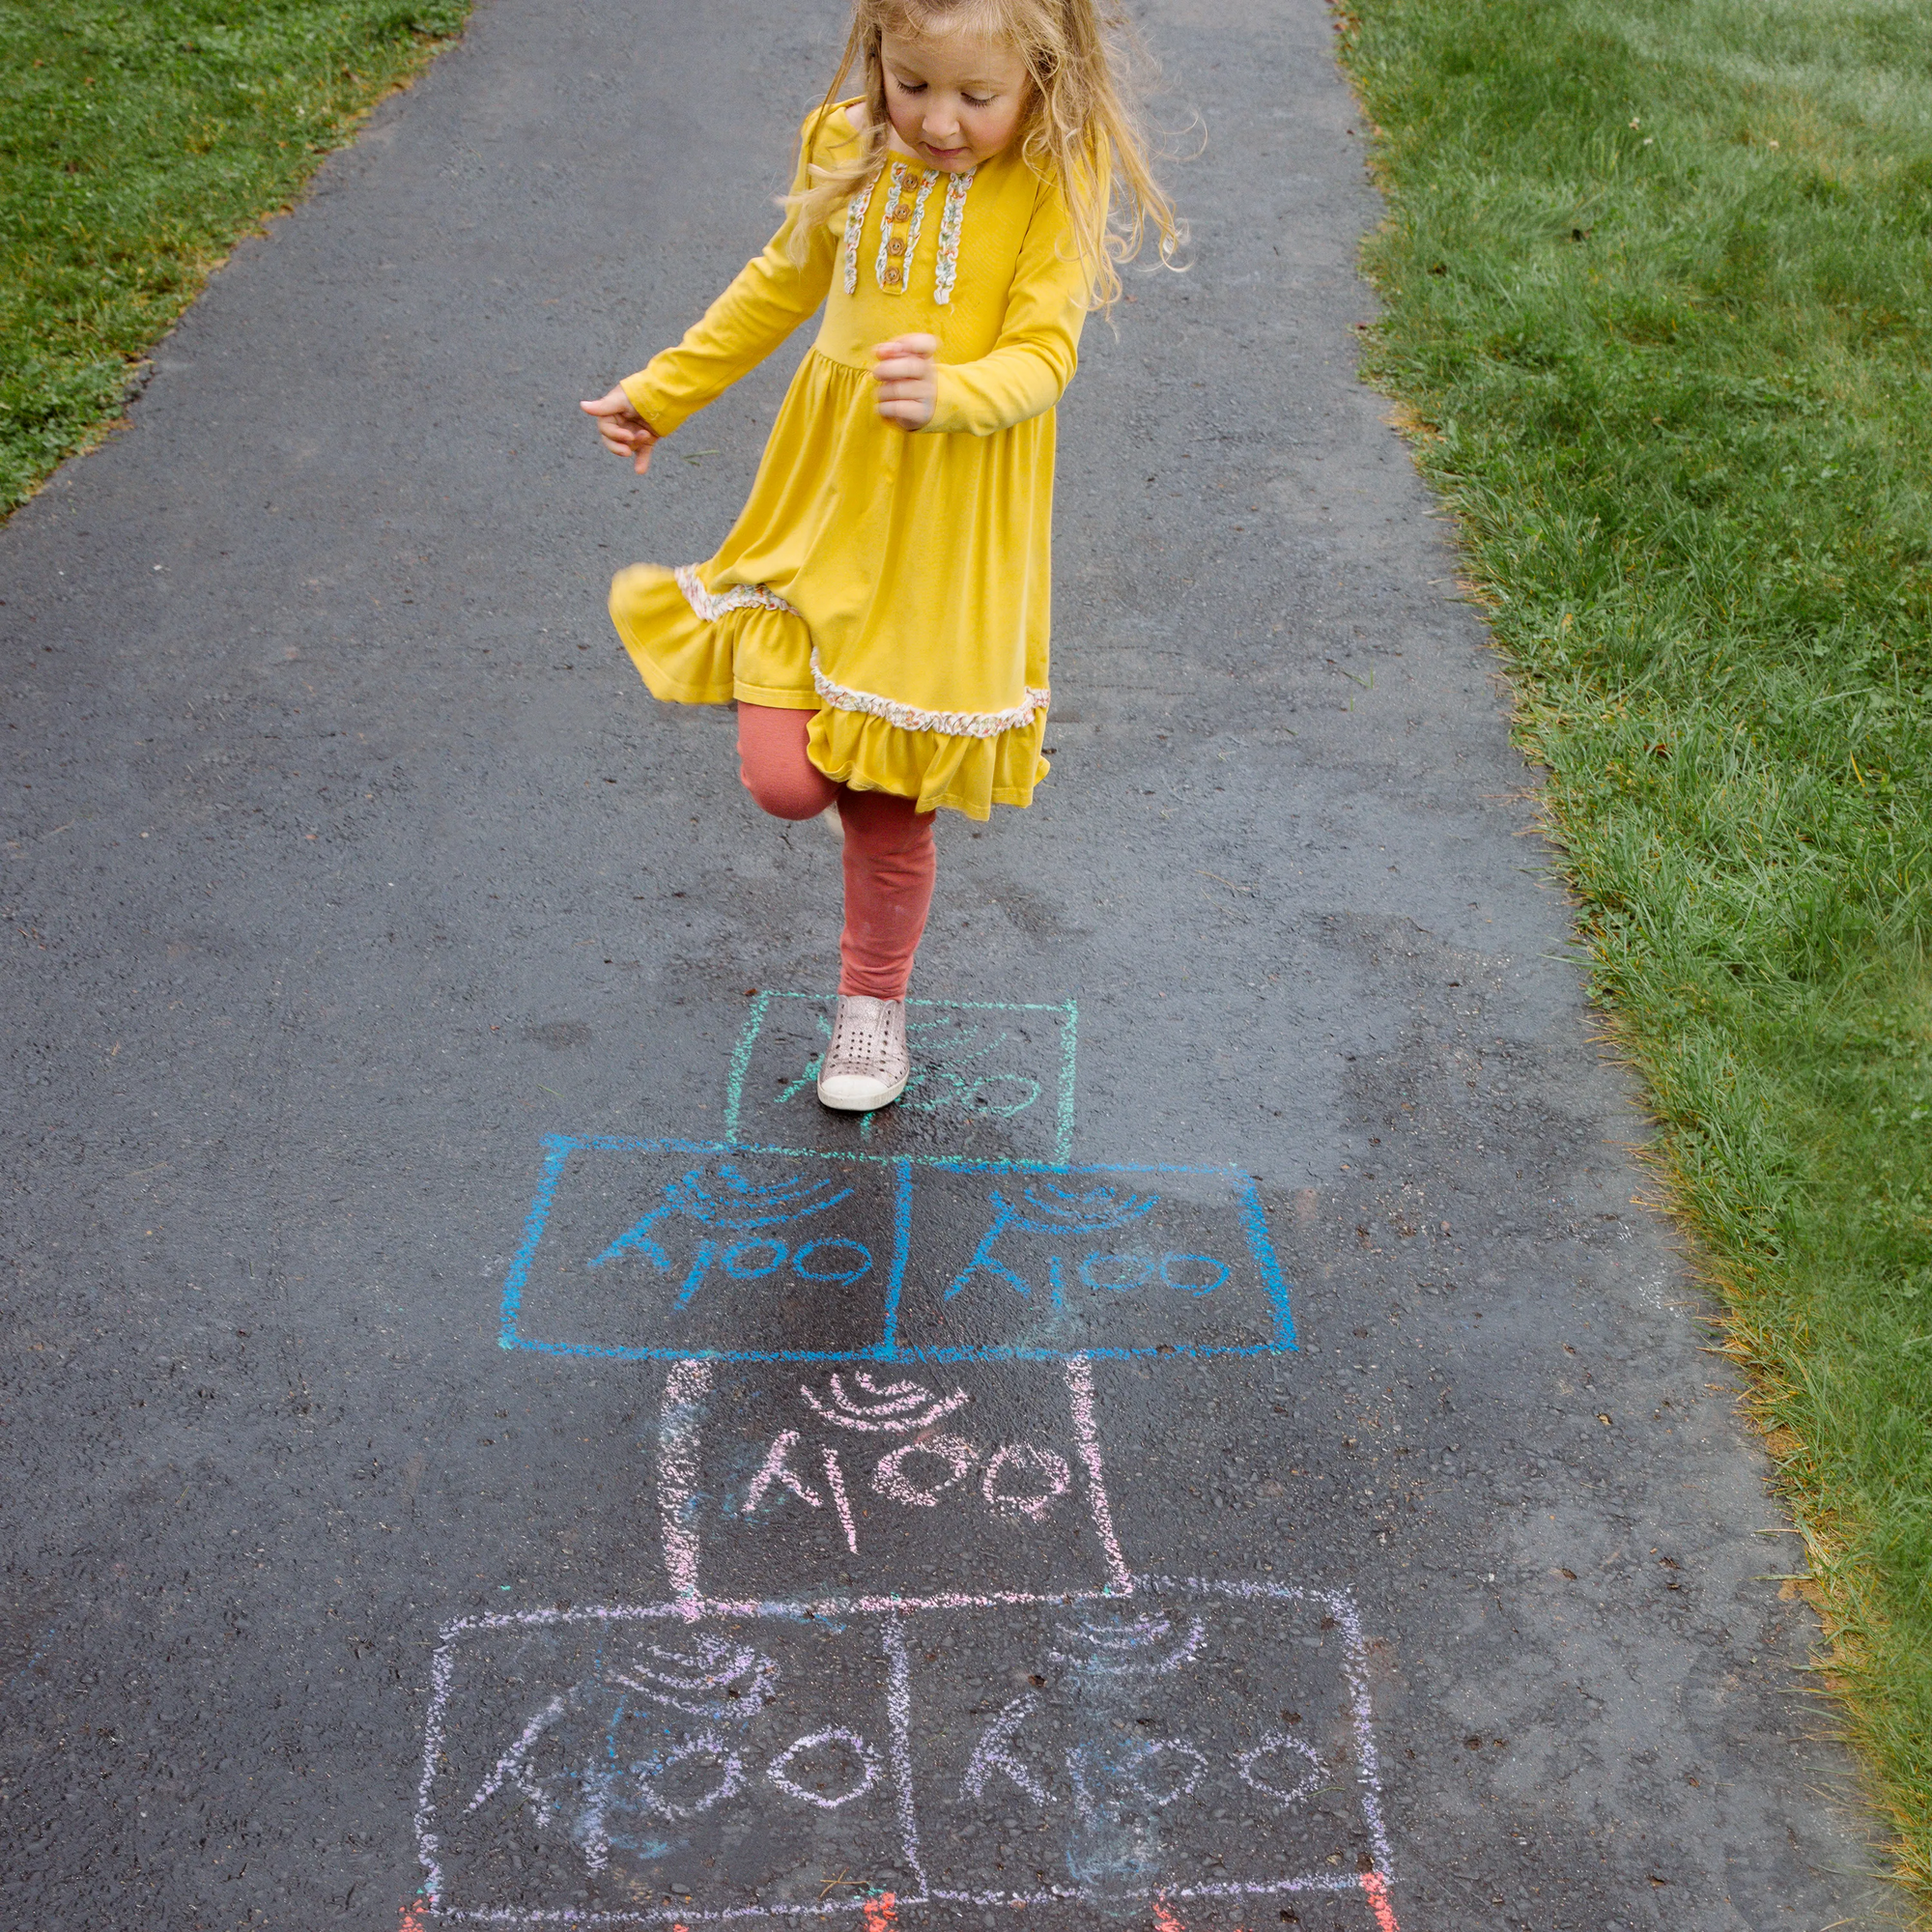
{"type": "Point", "coordinates": [952, 219]}
{"type": "Point", "coordinates": [918, 222]}
{"type": "Point", "coordinates": [713, 605]}
{"type": "Point", "coordinates": [909, 716]}
{"type": "Point", "coordinates": [855, 226]}
{"type": "Point", "coordinates": [895, 198]}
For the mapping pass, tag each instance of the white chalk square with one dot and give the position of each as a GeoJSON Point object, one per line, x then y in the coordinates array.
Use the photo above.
{"type": "Point", "coordinates": [705, 1759]}
{"type": "Point", "coordinates": [1196, 1745]}
{"type": "Point", "coordinates": [633, 1763]}
{"type": "Point", "coordinates": [883, 1480]}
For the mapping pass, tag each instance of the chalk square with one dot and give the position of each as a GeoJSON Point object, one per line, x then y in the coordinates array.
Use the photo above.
{"type": "Point", "coordinates": [1180, 1743]}
{"type": "Point", "coordinates": [886, 1481]}
{"type": "Point", "coordinates": [643, 1250]}
{"type": "Point", "coordinates": [1024, 1260]}
{"type": "Point", "coordinates": [990, 1078]}
{"type": "Point", "coordinates": [633, 1763]}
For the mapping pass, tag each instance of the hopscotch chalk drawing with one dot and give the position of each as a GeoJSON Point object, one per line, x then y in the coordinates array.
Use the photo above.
{"type": "Point", "coordinates": [900, 1319]}
{"type": "Point", "coordinates": [644, 1250]}
{"type": "Point", "coordinates": [707, 1759]}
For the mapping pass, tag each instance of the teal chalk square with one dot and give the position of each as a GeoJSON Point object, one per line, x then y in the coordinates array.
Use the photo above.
{"type": "Point", "coordinates": [990, 1079]}
{"type": "Point", "coordinates": [665, 1250]}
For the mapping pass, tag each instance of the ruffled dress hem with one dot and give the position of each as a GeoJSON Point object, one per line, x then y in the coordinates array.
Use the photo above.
{"type": "Point", "coordinates": [969, 776]}
{"type": "Point", "coordinates": [761, 655]}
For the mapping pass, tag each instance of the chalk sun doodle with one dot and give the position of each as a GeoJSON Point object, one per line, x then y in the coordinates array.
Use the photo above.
{"type": "Point", "coordinates": [989, 1079]}
{"type": "Point", "coordinates": [643, 1250]}
{"type": "Point", "coordinates": [1206, 1744]}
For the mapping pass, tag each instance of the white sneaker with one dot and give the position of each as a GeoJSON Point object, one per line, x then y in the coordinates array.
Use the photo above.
{"type": "Point", "coordinates": [866, 1063]}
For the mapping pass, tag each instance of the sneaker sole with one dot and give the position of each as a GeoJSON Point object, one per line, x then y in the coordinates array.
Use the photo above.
{"type": "Point", "coordinates": [860, 1101]}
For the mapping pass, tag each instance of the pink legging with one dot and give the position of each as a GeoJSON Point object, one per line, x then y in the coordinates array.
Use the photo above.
{"type": "Point", "coordinates": [889, 849]}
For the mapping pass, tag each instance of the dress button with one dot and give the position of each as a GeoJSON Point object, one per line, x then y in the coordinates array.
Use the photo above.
{"type": "Point", "coordinates": [895, 247]}
{"type": "Point", "coordinates": [892, 280]}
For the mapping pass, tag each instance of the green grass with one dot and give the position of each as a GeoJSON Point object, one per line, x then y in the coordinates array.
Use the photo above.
{"type": "Point", "coordinates": [137, 143]}
{"type": "Point", "coordinates": [1658, 276]}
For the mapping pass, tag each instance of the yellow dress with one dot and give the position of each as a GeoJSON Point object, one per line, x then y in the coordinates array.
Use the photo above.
{"type": "Point", "coordinates": [894, 582]}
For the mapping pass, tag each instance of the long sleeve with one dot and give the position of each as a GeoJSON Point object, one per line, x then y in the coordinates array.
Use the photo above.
{"type": "Point", "coordinates": [767, 299]}
{"type": "Point", "coordinates": [1033, 359]}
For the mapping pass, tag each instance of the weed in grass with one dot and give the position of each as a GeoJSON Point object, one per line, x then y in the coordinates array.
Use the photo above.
{"type": "Point", "coordinates": [1659, 277]}
{"type": "Point", "coordinates": [138, 140]}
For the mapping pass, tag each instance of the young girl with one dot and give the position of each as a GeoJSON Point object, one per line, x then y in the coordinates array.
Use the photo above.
{"type": "Point", "coordinates": [879, 611]}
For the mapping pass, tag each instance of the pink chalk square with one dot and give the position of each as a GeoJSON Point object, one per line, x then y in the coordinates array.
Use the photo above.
{"type": "Point", "coordinates": [886, 1480]}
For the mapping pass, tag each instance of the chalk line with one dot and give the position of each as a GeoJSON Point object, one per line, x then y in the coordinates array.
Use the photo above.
{"type": "Point", "coordinates": [1080, 1398]}
{"type": "Point", "coordinates": [1063, 1139]}
{"type": "Point", "coordinates": [899, 1711]}
{"type": "Point", "coordinates": [741, 1061]}
{"type": "Point", "coordinates": [429, 1845]}
{"type": "Point", "coordinates": [777, 1468]}
{"type": "Point", "coordinates": [679, 1420]}
{"type": "Point", "coordinates": [1166, 1919]}
{"type": "Point", "coordinates": [835, 1478]}
{"type": "Point", "coordinates": [1377, 1888]}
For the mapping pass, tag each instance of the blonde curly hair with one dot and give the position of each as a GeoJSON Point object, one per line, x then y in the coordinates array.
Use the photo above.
{"type": "Point", "coordinates": [1077, 125]}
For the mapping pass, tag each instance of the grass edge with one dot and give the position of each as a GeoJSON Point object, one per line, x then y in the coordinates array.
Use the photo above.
{"type": "Point", "coordinates": [1854, 1629]}
{"type": "Point", "coordinates": [115, 419]}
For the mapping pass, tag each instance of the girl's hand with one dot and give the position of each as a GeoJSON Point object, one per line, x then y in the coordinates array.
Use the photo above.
{"type": "Point", "coordinates": [624, 431]}
{"type": "Point", "coordinates": [908, 379]}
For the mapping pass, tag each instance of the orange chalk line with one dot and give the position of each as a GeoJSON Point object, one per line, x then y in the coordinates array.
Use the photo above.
{"type": "Point", "coordinates": [1373, 1883]}
{"type": "Point", "coordinates": [1377, 1888]}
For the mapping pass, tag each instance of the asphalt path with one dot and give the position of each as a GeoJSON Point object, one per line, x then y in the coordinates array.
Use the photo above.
{"type": "Point", "coordinates": [1230, 1450]}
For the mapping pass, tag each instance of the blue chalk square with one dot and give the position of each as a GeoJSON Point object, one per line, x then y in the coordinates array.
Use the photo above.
{"type": "Point", "coordinates": [668, 1249]}
{"type": "Point", "coordinates": [989, 1079]}
{"type": "Point", "coordinates": [1017, 1260]}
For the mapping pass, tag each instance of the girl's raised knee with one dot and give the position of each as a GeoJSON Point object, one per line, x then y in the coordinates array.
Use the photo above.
{"type": "Point", "coordinates": [793, 796]}
{"type": "Point", "coordinates": [774, 765]}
